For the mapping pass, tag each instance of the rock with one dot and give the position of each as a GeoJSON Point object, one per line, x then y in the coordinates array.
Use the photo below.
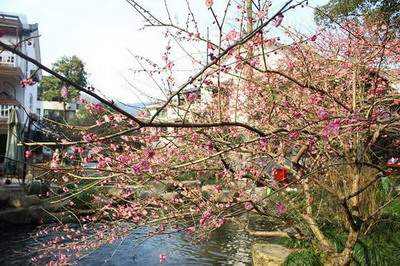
{"type": "Point", "coordinates": [269, 254]}
{"type": "Point", "coordinates": [258, 194]}
{"type": "Point", "coordinates": [30, 200]}
{"type": "Point", "coordinates": [207, 190]}
{"type": "Point", "coordinates": [146, 194]}
{"type": "Point", "coordinates": [15, 202]}
{"type": "Point", "coordinates": [238, 185]}
{"type": "Point", "coordinates": [19, 201]}
{"type": "Point", "coordinates": [160, 186]}
{"type": "Point", "coordinates": [210, 191]}
{"type": "Point", "coordinates": [224, 196]}
{"type": "Point", "coordinates": [115, 192]}
{"type": "Point", "coordinates": [169, 196]}
{"type": "Point", "coordinates": [36, 213]}
{"type": "Point", "coordinates": [191, 183]}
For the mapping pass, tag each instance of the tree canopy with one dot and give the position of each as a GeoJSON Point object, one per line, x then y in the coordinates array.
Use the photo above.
{"type": "Point", "coordinates": [53, 89]}
{"type": "Point", "coordinates": [376, 11]}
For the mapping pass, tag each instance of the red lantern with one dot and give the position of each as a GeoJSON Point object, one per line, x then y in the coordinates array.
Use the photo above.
{"type": "Point", "coordinates": [280, 174]}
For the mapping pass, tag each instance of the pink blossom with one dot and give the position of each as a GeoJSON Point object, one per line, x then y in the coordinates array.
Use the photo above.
{"type": "Point", "coordinates": [26, 82]}
{"type": "Point", "coordinates": [278, 20]}
{"type": "Point", "coordinates": [263, 142]}
{"type": "Point", "coordinates": [205, 217]}
{"type": "Point", "coordinates": [55, 161]}
{"type": "Point", "coordinates": [220, 222]}
{"type": "Point", "coordinates": [315, 99]}
{"type": "Point", "coordinates": [140, 167]}
{"type": "Point", "coordinates": [332, 129]}
{"type": "Point", "coordinates": [169, 65]}
{"type": "Point", "coordinates": [113, 147]}
{"type": "Point", "coordinates": [210, 146]}
{"type": "Point", "coordinates": [195, 137]}
{"type": "Point", "coordinates": [192, 97]}
{"type": "Point", "coordinates": [313, 38]}
{"type": "Point", "coordinates": [285, 103]}
{"type": "Point", "coordinates": [163, 258]}
{"type": "Point", "coordinates": [64, 92]}
{"type": "Point", "coordinates": [232, 35]}
{"type": "Point", "coordinates": [209, 3]}
{"type": "Point", "coordinates": [28, 154]}
{"type": "Point", "coordinates": [248, 205]}
{"type": "Point", "coordinates": [96, 108]}
{"type": "Point", "coordinates": [210, 46]}
{"type": "Point", "coordinates": [294, 135]}
{"type": "Point", "coordinates": [89, 137]}
{"type": "Point", "coordinates": [77, 150]}
{"type": "Point", "coordinates": [323, 114]}
{"type": "Point", "coordinates": [270, 42]}
{"type": "Point", "coordinates": [190, 230]}
{"type": "Point", "coordinates": [280, 208]}
{"type": "Point", "coordinates": [261, 14]}
{"type": "Point", "coordinates": [149, 153]}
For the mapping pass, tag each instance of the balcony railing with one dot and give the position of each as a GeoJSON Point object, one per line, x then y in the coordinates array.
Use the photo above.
{"type": "Point", "coordinates": [8, 59]}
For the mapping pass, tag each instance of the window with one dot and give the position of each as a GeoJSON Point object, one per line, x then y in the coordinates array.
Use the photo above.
{"type": "Point", "coordinates": [4, 110]}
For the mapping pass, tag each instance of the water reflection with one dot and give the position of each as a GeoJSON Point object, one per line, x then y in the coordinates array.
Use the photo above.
{"type": "Point", "coordinates": [226, 246]}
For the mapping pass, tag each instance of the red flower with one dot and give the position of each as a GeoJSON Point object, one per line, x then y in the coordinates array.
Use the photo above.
{"type": "Point", "coordinates": [280, 174]}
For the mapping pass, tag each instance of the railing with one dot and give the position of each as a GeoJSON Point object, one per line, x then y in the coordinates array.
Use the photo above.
{"type": "Point", "coordinates": [4, 110]}
{"type": "Point", "coordinates": [8, 59]}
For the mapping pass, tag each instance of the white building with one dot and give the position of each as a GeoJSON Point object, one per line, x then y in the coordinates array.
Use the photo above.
{"type": "Point", "coordinates": [15, 30]}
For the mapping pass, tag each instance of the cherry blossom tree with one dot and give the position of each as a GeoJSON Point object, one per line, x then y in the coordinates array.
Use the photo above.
{"type": "Point", "coordinates": [310, 121]}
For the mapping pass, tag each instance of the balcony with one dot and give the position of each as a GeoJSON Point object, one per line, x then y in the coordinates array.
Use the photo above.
{"type": "Point", "coordinates": [9, 66]}
{"type": "Point", "coordinates": [5, 106]}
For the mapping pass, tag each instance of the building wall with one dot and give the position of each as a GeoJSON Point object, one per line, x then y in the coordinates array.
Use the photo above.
{"type": "Point", "coordinates": [27, 96]}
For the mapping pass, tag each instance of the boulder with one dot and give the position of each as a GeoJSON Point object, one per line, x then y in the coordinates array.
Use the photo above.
{"type": "Point", "coordinates": [191, 183]}
{"type": "Point", "coordinates": [258, 194]}
{"type": "Point", "coordinates": [15, 202]}
{"type": "Point", "coordinates": [269, 254]}
{"type": "Point", "coordinates": [208, 190]}
{"type": "Point", "coordinates": [30, 200]}
{"type": "Point", "coordinates": [146, 194]}
{"type": "Point", "coordinates": [115, 192]}
{"type": "Point", "coordinates": [169, 196]}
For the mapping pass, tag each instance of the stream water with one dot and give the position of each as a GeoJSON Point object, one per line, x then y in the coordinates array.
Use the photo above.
{"type": "Point", "coordinates": [226, 246]}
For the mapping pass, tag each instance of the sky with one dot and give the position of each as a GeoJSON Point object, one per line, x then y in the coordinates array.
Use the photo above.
{"type": "Point", "coordinates": [104, 33]}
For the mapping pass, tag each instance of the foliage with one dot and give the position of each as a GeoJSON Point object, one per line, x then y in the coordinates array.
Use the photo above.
{"type": "Point", "coordinates": [303, 257]}
{"type": "Point", "coordinates": [70, 67]}
{"type": "Point", "coordinates": [374, 11]}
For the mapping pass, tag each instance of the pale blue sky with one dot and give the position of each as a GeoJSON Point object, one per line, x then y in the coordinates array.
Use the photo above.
{"type": "Point", "coordinates": [101, 31]}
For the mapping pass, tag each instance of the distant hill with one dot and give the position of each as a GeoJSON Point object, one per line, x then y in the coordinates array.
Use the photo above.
{"type": "Point", "coordinates": [132, 108]}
